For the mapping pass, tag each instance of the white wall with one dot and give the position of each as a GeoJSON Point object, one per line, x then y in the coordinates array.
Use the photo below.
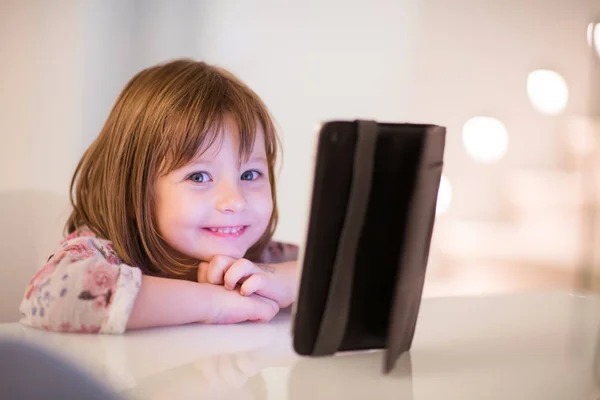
{"type": "Point", "coordinates": [120, 38]}
{"type": "Point", "coordinates": [40, 134]}
{"type": "Point", "coordinates": [41, 94]}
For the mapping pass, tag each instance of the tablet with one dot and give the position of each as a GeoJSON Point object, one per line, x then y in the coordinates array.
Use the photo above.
{"type": "Point", "coordinates": [372, 214]}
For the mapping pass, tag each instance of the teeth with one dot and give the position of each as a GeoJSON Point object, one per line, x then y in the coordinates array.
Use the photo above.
{"type": "Point", "coordinates": [226, 230]}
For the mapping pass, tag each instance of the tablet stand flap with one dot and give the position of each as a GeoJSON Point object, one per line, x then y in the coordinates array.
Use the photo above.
{"type": "Point", "coordinates": [413, 260]}
{"type": "Point", "coordinates": [337, 308]}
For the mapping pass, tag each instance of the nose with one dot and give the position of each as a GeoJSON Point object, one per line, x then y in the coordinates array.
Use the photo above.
{"type": "Point", "coordinates": [230, 198]}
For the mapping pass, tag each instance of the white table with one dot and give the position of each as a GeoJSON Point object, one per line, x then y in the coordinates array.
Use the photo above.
{"type": "Point", "coordinates": [525, 346]}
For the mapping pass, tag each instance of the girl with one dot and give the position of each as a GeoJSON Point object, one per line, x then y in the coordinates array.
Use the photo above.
{"type": "Point", "coordinates": [173, 212]}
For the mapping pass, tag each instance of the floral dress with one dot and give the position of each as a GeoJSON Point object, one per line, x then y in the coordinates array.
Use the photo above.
{"type": "Point", "coordinates": [85, 287]}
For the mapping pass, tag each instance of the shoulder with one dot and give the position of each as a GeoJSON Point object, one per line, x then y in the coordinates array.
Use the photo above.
{"type": "Point", "coordinates": [277, 252]}
{"type": "Point", "coordinates": [83, 244]}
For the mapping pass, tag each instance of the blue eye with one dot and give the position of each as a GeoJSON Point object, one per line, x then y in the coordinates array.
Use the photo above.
{"type": "Point", "coordinates": [199, 177]}
{"type": "Point", "coordinates": [251, 175]}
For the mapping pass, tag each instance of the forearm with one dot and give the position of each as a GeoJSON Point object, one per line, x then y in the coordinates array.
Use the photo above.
{"type": "Point", "coordinates": [163, 302]}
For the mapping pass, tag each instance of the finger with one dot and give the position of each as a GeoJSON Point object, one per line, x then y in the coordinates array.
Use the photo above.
{"type": "Point", "coordinates": [253, 284]}
{"type": "Point", "coordinates": [265, 309]}
{"type": "Point", "coordinates": [261, 285]}
{"type": "Point", "coordinates": [239, 270]}
{"type": "Point", "coordinates": [216, 269]}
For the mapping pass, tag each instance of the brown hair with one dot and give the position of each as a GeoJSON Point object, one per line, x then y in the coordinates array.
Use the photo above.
{"type": "Point", "coordinates": [161, 119]}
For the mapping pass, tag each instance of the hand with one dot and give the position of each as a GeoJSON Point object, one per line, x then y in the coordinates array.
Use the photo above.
{"type": "Point", "coordinates": [273, 281]}
{"type": "Point", "coordinates": [229, 307]}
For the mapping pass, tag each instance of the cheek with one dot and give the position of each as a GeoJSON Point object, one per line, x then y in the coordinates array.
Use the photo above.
{"type": "Point", "coordinates": [177, 208]}
{"type": "Point", "coordinates": [189, 208]}
{"type": "Point", "coordinates": [262, 203]}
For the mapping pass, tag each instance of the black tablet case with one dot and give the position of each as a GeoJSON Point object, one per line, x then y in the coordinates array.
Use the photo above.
{"type": "Point", "coordinates": [371, 219]}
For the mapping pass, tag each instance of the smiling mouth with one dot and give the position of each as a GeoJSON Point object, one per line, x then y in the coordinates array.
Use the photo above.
{"type": "Point", "coordinates": [227, 231]}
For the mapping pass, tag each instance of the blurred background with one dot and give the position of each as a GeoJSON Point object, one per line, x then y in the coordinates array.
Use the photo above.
{"type": "Point", "coordinates": [516, 82]}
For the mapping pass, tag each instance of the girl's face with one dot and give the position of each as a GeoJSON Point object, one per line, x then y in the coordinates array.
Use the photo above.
{"type": "Point", "coordinates": [215, 206]}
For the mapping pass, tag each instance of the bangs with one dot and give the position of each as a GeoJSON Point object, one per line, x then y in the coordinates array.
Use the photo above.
{"type": "Point", "coordinates": [197, 120]}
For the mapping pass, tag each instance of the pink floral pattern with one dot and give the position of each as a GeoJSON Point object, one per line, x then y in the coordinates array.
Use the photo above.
{"type": "Point", "coordinates": [84, 287]}
{"type": "Point", "coordinates": [110, 255]}
{"type": "Point", "coordinates": [79, 251]}
{"type": "Point", "coordinates": [100, 279]}
{"type": "Point", "coordinates": [89, 329]}
{"type": "Point", "coordinates": [65, 327]}
{"type": "Point", "coordinates": [99, 285]}
{"type": "Point", "coordinates": [39, 278]}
